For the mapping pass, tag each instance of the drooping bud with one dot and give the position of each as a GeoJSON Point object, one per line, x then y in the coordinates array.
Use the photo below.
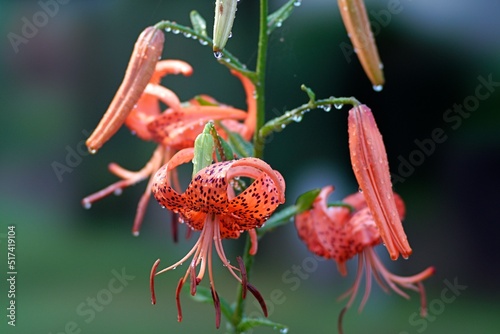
{"type": "Point", "coordinates": [147, 51]}
{"type": "Point", "coordinates": [355, 19]}
{"type": "Point", "coordinates": [371, 168]}
{"type": "Point", "coordinates": [225, 12]}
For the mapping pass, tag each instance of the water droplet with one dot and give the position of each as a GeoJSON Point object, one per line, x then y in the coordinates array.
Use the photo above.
{"type": "Point", "coordinates": [283, 126]}
{"type": "Point", "coordinates": [297, 3]}
{"type": "Point", "coordinates": [327, 107]}
{"type": "Point", "coordinates": [174, 268]}
{"type": "Point", "coordinates": [168, 29]}
{"type": "Point", "coordinates": [135, 233]}
{"type": "Point", "coordinates": [377, 88]}
{"type": "Point", "coordinates": [118, 191]}
{"type": "Point", "coordinates": [284, 330]}
{"type": "Point", "coordinates": [230, 34]}
{"type": "Point", "coordinates": [381, 66]}
{"type": "Point", "coordinates": [218, 54]}
{"type": "Point", "coordinates": [203, 42]}
{"type": "Point", "coordinates": [87, 205]}
{"type": "Point", "coordinates": [187, 35]}
{"type": "Point", "coordinates": [92, 151]}
{"type": "Point", "coordinates": [163, 206]}
{"type": "Point", "coordinates": [279, 24]}
{"type": "Point", "coordinates": [297, 118]}
{"type": "Point", "coordinates": [360, 190]}
{"type": "Point", "coordinates": [175, 31]}
{"type": "Point", "coordinates": [338, 105]}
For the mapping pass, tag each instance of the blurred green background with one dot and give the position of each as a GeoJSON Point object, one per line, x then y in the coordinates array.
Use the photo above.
{"type": "Point", "coordinates": [55, 88]}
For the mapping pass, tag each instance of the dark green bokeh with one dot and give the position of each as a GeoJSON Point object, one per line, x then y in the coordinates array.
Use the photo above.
{"type": "Point", "coordinates": [56, 87]}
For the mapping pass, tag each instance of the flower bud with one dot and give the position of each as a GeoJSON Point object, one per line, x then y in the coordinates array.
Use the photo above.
{"type": "Point", "coordinates": [355, 19]}
{"type": "Point", "coordinates": [147, 51]}
{"type": "Point", "coordinates": [225, 11]}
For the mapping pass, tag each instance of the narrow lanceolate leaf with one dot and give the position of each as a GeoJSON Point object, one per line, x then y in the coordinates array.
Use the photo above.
{"type": "Point", "coordinates": [225, 12]}
{"type": "Point", "coordinates": [198, 22]}
{"type": "Point", "coordinates": [276, 19]}
{"type": "Point", "coordinates": [141, 66]}
{"type": "Point", "coordinates": [371, 168]}
{"type": "Point", "coordinates": [355, 19]}
{"type": "Point", "coordinates": [203, 149]}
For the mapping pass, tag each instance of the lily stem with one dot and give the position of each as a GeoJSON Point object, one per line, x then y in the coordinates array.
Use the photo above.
{"type": "Point", "coordinates": [260, 75]}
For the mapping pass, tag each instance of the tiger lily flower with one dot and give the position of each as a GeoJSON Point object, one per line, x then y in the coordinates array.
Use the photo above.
{"type": "Point", "coordinates": [371, 168]}
{"type": "Point", "coordinates": [211, 205]}
{"type": "Point", "coordinates": [173, 129]}
{"type": "Point", "coordinates": [356, 21]}
{"type": "Point", "coordinates": [342, 232]}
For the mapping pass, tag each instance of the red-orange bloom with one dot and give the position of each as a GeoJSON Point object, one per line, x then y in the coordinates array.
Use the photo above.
{"type": "Point", "coordinates": [371, 168]}
{"type": "Point", "coordinates": [173, 129]}
{"type": "Point", "coordinates": [211, 205]}
{"type": "Point", "coordinates": [338, 233]}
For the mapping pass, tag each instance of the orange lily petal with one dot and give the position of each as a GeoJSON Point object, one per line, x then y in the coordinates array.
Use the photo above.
{"type": "Point", "coordinates": [355, 19]}
{"type": "Point", "coordinates": [179, 128]}
{"type": "Point", "coordinates": [371, 168]}
{"type": "Point", "coordinates": [147, 50]}
{"type": "Point", "coordinates": [147, 109]}
{"type": "Point", "coordinates": [208, 194]}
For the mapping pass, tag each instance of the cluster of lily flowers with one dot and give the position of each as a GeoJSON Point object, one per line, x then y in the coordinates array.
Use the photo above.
{"type": "Point", "coordinates": [220, 206]}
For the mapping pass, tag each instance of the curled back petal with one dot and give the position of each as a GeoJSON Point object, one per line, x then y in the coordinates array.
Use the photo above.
{"type": "Point", "coordinates": [162, 190]}
{"type": "Point", "coordinates": [178, 128]}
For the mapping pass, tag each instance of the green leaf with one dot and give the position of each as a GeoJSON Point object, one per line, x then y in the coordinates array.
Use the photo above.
{"type": "Point", "coordinates": [204, 295]}
{"type": "Point", "coordinates": [204, 102]}
{"type": "Point", "coordinates": [248, 323]}
{"type": "Point", "coordinates": [279, 218]}
{"type": "Point", "coordinates": [242, 147]}
{"type": "Point", "coordinates": [304, 202]}
{"type": "Point", "coordinates": [203, 149]}
{"type": "Point", "coordinates": [275, 20]}
{"type": "Point", "coordinates": [198, 22]}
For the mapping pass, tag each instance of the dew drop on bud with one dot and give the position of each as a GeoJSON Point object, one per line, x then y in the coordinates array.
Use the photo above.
{"type": "Point", "coordinates": [218, 54]}
{"type": "Point", "coordinates": [118, 191]}
{"type": "Point", "coordinates": [87, 205]}
{"type": "Point", "coordinates": [135, 233]}
{"type": "Point", "coordinates": [92, 151]}
{"type": "Point", "coordinates": [377, 88]}
{"type": "Point", "coordinates": [360, 190]}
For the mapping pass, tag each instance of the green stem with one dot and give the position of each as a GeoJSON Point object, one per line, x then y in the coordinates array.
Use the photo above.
{"type": "Point", "coordinates": [259, 81]}
{"type": "Point", "coordinates": [295, 115]}
{"type": "Point", "coordinates": [261, 74]}
{"type": "Point", "coordinates": [227, 58]}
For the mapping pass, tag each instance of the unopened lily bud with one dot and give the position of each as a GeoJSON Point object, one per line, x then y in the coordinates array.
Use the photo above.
{"type": "Point", "coordinates": [355, 19]}
{"type": "Point", "coordinates": [147, 51]}
{"type": "Point", "coordinates": [225, 12]}
{"type": "Point", "coordinates": [371, 168]}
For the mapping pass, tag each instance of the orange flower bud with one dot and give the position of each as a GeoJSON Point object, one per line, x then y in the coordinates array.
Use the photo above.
{"type": "Point", "coordinates": [371, 168]}
{"type": "Point", "coordinates": [355, 19]}
{"type": "Point", "coordinates": [147, 51]}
